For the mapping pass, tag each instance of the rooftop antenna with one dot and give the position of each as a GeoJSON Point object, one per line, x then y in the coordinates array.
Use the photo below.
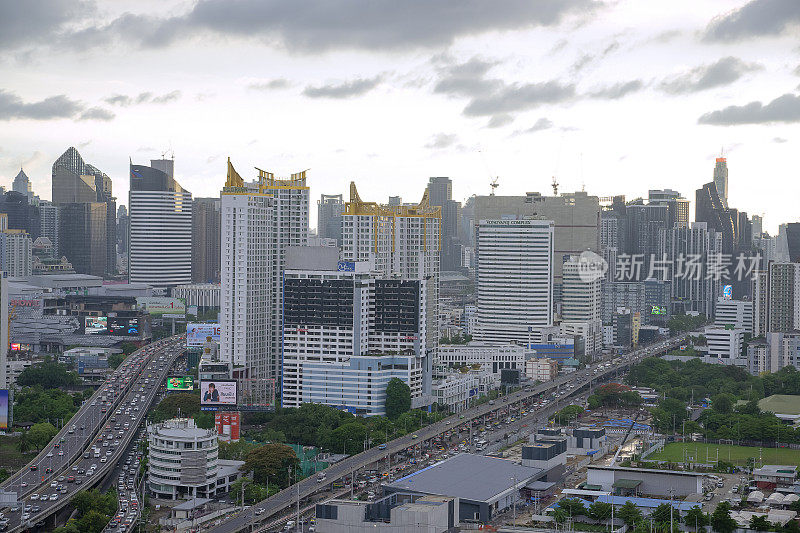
{"type": "Point", "coordinates": [555, 186]}
{"type": "Point", "coordinates": [494, 185]}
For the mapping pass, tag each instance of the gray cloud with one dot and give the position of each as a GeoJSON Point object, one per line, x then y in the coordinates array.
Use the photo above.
{"type": "Point", "coordinates": [616, 91]}
{"type": "Point", "coordinates": [519, 97]}
{"type": "Point", "coordinates": [347, 89]}
{"type": "Point", "coordinates": [498, 121]}
{"type": "Point", "coordinates": [319, 25]}
{"type": "Point", "coordinates": [785, 108]}
{"type": "Point", "coordinates": [97, 113]}
{"type": "Point", "coordinates": [467, 79]}
{"type": "Point", "coordinates": [797, 71]}
{"type": "Point", "coordinates": [541, 124]}
{"type": "Point", "coordinates": [723, 72]}
{"type": "Point", "coordinates": [54, 107]}
{"type": "Point", "coordinates": [123, 100]}
{"type": "Point", "coordinates": [271, 85]}
{"type": "Point", "coordinates": [23, 22]}
{"type": "Point", "coordinates": [442, 140]}
{"type": "Point", "coordinates": [754, 19]}
{"type": "Point", "coordinates": [581, 63]}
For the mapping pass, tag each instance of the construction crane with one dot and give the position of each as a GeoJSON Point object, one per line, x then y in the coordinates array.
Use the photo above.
{"type": "Point", "coordinates": [494, 185]}
{"type": "Point", "coordinates": [555, 186]}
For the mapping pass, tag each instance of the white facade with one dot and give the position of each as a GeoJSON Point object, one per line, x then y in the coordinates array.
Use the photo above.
{"type": "Point", "coordinates": [470, 319]}
{"type": "Point", "coordinates": [541, 369]}
{"type": "Point", "coordinates": [581, 304]}
{"type": "Point", "coordinates": [347, 333]}
{"type": "Point", "coordinates": [258, 222]}
{"type": "Point", "coordinates": [199, 294]}
{"type": "Point", "coordinates": [590, 331]}
{"type": "Point", "coordinates": [491, 356]}
{"type": "Point", "coordinates": [16, 253]}
{"type": "Point", "coordinates": [160, 237]}
{"type": "Point", "coordinates": [514, 278]}
{"type": "Point", "coordinates": [725, 345]}
{"type": "Point", "coordinates": [456, 389]}
{"type": "Point", "coordinates": [737, 313]}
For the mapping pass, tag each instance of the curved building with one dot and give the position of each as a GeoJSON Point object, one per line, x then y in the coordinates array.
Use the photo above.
{"type": "Point", "coordinates": [160, 247]}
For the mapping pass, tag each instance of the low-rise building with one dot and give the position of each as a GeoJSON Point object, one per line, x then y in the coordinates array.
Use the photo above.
{"type": "Point", "coordinates": [202, 295]}
{"type": "Point", "coordinates": [725, 345]}
{"type": "Point", "coordinates": [772, 476]}
{"type": "Point", "coordinates": [183, 461]}
{"type": "Point", "coordinates": [587, 441]}
{"type": "Point", "coordinates": [644, 481]}
{"type": "Point", "coordinates": [456, 390]}
{"type": "Point", "coordinates": [492, 356]}
{"type": "Point", "coordinates": [544, 369]}
{"type": "Point", "coordinates": [397, 512]}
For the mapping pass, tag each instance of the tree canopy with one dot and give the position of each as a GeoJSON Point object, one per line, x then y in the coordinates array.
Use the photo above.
{"type": "Point", "coordinates": [48, 374]}
{"type": "Point", "coordinates": [398, 398]}
{"type": "Point", "coordinates": [271, 463]}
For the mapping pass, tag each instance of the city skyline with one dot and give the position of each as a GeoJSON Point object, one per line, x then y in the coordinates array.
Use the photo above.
{"type": "Point", "coordinates": [598, 95]}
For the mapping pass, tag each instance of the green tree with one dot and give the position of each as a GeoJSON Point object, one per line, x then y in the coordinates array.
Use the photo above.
{"type": "Point", "coordinates": [92, 522]}
{"type": "Point", "coordinates": [663, 512]}
{"type": "Point", "coordinates": [350, 437]}
{"type": "Point", "coordinates": [594, 401]}
{"type": "Point", "coordinates": [48, 374]}
{"type": "Point", "coordinates": [235, 451]}
{"type": "Point", "coordinates": [600, 511]}
{"type": "Point", "coordinates": [696, 518]}
{"type": "Point", "coordinates": [567, 414]}
{"type": "Point", "coordinates": [188, 403]}
{"type": "Point", "coordinates": [128, 348]}
{"type": "Point", "coordinates": [721, 519]}
{"type": "Point", "coordinates": [723, 403]}
{"type": "Point", "coordinates": [271, 462]}
{"type": "Point", "coordinates": [40, 434]}
{"type": "Point", "coordinates": [253, 492]}
{"type": "Point", "coordinates": [760, 523]}
{"type": "Point", "coordinates": [629, 513]}
{"type": "Point", "coordinates": [572, 506]}
{"type": "Point", "coordinates": [398, 398]}
{"type": "Point", "coordinates": [116, 359]}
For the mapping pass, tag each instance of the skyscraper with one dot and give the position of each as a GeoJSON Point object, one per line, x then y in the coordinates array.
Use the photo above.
{"type": "Point", "coordinates": [21, 213]}
{"type": "Point", "coordinates": [721, 180]}
{"type": "Point", "coordinates": [160, 226]}
{"type": "Point", "coordinates": [646, 225]}
{"type": "Point", "coordinates": [259, 221]}
{"type": "Point", "coordinates": [22, 185]}
{"type": "Point", "coordinates": [205, 240]}
{"type": "Point", "coordinates": [75, 181]}
{"type": "Point", "coordinates": [16, 250]}
{"type": "Point", "coordinates": [710, 208]}
{"type": "Point", "coordinates": [329, 217]}
{"type": "Point", "coordinates": [82, 236]}
{"type": "Point", "coordinates": [677, 206]}
{"type": "Point", "coordinates": [694, 250]}
{"type": "Point", "coordinates": [440, 192]}
{"type": "Point", "coordinates": [581, 300]}
{"type": "Point", "coordinates": [514, 279]}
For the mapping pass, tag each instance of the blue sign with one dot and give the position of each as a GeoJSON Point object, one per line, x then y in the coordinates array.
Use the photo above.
{"type": "Point", "coordinates": [727, 292]}
{"type": "Point", "coordinates": [347, 266]}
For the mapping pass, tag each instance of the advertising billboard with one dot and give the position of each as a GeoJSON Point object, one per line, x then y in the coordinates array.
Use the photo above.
{"type": "Point", "coordinates": [196, 334]}
{"type": "Point", "coordinates": [5, 409]}
{"type": "Point", "coordinates": [658, 310]}
{"type": "Point", "coordinates": [213, 393]}
{"type": "Point", "coordinates": [228, 425]}
{"type": "Point", "coordinates": [161, 305]}
{"type": "Point", "coordinates": [96, 325]}
{"type": "Point", "coordinates": [185, 383]}
{"type": "Point", "coordinates": [123, 327]}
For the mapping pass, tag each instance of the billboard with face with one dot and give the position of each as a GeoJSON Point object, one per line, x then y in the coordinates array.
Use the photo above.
{"type": "Point", "coordinates": [221, 393]}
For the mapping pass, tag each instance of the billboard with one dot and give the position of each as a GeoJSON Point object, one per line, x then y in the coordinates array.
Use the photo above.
{"type": "Point", "coordinates": [658, 310]}
{"type": "Point", "coordinates": [123, 327]}
{"type": "Point", "coordinates": [186, 383]}
{"type": "Point", "coordinates": [228, 424]}
{"type": "Point", "coordinates": [217, 393]}
{"type": "Point", "coordinates": [161, 305]}
{"type": "Point", "coordinates": [96, 325]}
{"type": "Point", "coordinates": [727, 292]}
{"type": "Point", "coordinates": [196, 334]}
{"type": "Point", "coordinates": [5, 409]}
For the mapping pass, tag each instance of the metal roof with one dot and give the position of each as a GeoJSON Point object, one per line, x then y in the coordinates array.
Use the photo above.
{"type": "Point", "coordinates": [469, 477]}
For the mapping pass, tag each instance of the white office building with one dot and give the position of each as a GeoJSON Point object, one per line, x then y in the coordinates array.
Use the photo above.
{"type": "Point", "coordinates": [514, 279]}
{"type": "Point", "coordinates": [725, 345]}
{"type": "Point", "coordinates": [183, 461]}
{"type": "Point", "coordinates": [160, 251]}
{"type": "Point", "coordinates": [581, 302]}
{"type": "Point", "coordinates": [491, 356]}
{"type": "Point", "coordinates": [259, 221]}
{"type": "Point", "coordinates": [455, 390]}
{"type": "Point", "coordinates": [347, 331]}
{"type": "Point", "coordinates": [737, 313]}
{"type": "Point", "coordinates": [16, 252]}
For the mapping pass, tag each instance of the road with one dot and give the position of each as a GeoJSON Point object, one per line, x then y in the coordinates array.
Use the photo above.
{"type": "Point", "coordinates": [92, 442]}
{"type": "Point", "coordinates": [287, 497]}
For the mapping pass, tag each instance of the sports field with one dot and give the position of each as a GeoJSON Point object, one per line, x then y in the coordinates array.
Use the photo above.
{"type": "Point", "coordinates": [707, 453]}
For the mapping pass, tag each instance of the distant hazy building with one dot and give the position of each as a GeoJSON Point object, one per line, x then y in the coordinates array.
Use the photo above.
{"type": "Point", "coordinates": [16, 250]}
{"type": "Point", "coordinates": [22, 185]}
{"type": "Point", "coordinates": [77, 182]}
{"type": "Point", "coordinates": [22, 214]}
{"type": "Point", "coordinates": [49, 221]}
{"type": "Point", "coordinates": [677, 206]}
{"type": "Point", "coordinates": [160, 252]}
{"type": "Point", "coordinates": [721, 179]}
{"type": "Point", "coordinates": [329, 217]}
{"type": "Point", "coordinates": [695, 289]}
{"type": "Point", "coordinates": [440, 192]}
{"type": "Point", "coordinates": [82, 236]}
{"type": "Point", "coordinates": [514, 279]}
{"type": "Point", "coordinates": [206, 247]}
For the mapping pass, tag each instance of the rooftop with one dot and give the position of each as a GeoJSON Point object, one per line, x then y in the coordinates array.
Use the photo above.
{"type": "Point", "coordinates": [469, 477]}
{"type": "Point", "coordinates": [780, 404]}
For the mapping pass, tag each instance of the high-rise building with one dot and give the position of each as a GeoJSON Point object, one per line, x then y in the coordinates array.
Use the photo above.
{"type": "Point", "coordinates": [646, 227]}
{"type": "Point", "coordinates": [348, 332]}
{"type": "Point", "coordinates": [160, 251]}
{"type": "Point", "coordinates": [721, 180]}
{"type": "Point", "coordinates": [22, 185]}
{"type": "Point", "coordinates": [77, 182]}
{"type": "Point", "coordinates": [82, 236]}
{"type": "Point", "coordinates": [581, 300]}
{"type": "Point", "coordinates": [329, 217]}
{"type": "Point", "coordinates": [783, 297]}
{"type": "Point", "coordinates": [50, 219]}
{"type": "Point", "coordinates": [16, 250]}
{"type": "Point", "coordinates": [695, 250]}
{"type": "Point", "coordinates": [402, 241]}
{"type": "Point", "coordinates": [22, 215]}
{"type": "Point", "coordinates": [440, 193]}
{"type": "Point", "coordinates": [757, 223]}
{"type": "Point", "coordinates": [575, 216]}
{"type": "Point", "coordinates": [4, 340]}
{"type": "Point", "coordinates": [259, 221]}
{"type": "Point", "coordinates": [710, 208]}
{"type": "Point", "coordinates": [205, 240]}
{"type": "Point", "coordinates": [677, 206]}
{"type": "Point", "coordinates": [734, 313]}
{"type": "Point", "coordinates": [514, 279]}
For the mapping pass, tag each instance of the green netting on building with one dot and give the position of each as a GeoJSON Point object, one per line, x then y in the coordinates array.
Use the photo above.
{"type": "Point", "coordinates": [308, 459]}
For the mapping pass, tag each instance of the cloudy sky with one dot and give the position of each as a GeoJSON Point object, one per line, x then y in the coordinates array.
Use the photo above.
{"type": "Point", "coordinates": [614, 96]}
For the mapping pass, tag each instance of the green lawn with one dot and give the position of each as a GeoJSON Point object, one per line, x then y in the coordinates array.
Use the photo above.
{"type": "Point", "coordinates": [738, 455]}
